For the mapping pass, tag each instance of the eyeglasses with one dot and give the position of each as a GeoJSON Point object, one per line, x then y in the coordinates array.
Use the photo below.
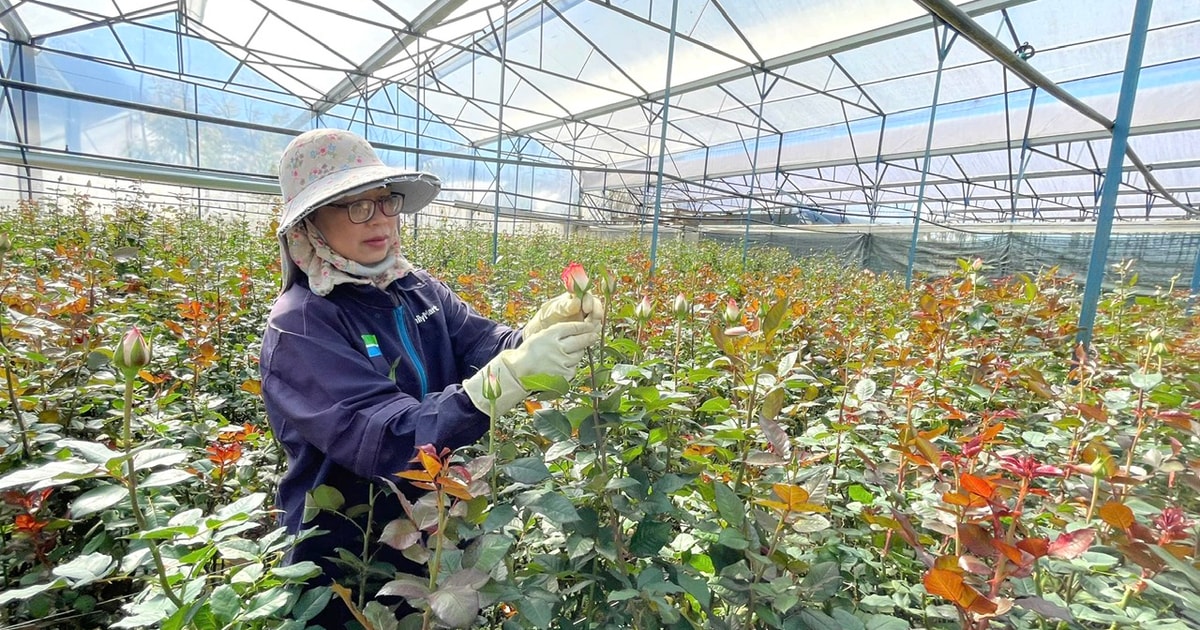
{"type": "Point", "coordinates": [362, 210]}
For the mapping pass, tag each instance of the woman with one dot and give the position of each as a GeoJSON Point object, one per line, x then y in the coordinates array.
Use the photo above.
{"type": "Point", "coordinates": [365, 357]}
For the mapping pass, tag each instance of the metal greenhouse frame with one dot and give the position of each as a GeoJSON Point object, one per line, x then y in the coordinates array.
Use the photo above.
{"type": "Point", "coordinates": [688, 114]}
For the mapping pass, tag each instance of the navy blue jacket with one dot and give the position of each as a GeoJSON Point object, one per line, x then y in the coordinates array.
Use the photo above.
{"type": "Point", "coordinates": [342, 419]}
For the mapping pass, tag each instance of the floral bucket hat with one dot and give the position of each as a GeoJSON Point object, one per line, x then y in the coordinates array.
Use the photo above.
{"type": "Point", "coordinates": [324, 165]}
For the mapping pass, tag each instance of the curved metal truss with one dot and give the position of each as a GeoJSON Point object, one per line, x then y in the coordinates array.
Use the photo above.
{"type": "Point", "coordinates": [688, 111]}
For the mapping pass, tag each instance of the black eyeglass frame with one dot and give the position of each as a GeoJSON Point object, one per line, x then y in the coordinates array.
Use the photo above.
{"type": "Point", "coordinates": [379, 205]}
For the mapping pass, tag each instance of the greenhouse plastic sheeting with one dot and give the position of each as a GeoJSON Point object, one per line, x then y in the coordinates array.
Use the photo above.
{"type": "Point", "coordinates": [1160, 258]}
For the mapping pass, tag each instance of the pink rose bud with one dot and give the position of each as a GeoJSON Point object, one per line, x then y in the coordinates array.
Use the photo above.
{"type": "Point", "coordinates": [644, 308]}
{"type": "Point", "coordinates": [733, 314]}
{"type": "Point", "coordinates": [681, 308]}
{"type": "Point", "coordinates": [575, 279]}
{"type": "Point", "coordinates": [132, 353]}
{"type": "Point", "coordinates": [608, 283]}
{"type": "Point", "coordinates": [491, 386]}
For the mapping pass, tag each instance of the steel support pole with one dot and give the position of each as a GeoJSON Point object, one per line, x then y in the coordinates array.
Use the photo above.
{"type": "Point", "coordinates": [500, 138]}
{"type": "Point", "coordinates": [762, 96]}
{"type": "Point", "coordinates": [662, 140]}
{"type": "Point", "coordinates": [947, 40]}
{"type": "Point", "coordinates": [1195, 282]}
{"type": "Point", "coordinates": [1112, 174]}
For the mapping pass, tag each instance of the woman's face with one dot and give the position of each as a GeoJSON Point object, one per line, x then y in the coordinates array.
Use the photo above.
{"type": "Point", "coordinates": [364, 243]}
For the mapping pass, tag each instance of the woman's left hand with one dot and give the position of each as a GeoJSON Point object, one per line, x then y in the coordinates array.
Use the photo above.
{"type": "Point", "coordinates": [564, 308]}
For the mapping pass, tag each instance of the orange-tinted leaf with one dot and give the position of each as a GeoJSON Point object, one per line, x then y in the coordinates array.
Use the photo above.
{"type": "Point", "coordinates": [532, 406]}
{"type": "Point", "coordinates": [927, 449]}
{"type": "Point", "coordinates": [915, 458]}
{"type": "Point", "coordinates": [933, 433]}
{"type": "Point", "coordinates": [1096, 413]}
{"type": "Point", "coordinates": [1036, 383]}
{"type": "Point", "coordinates": [991, 432]}
{"type": "Point", "coordinates": [455, 488]}
{"type": "Point", "coordinates": [208, 351]}
{"type": "Point", "coordinates": [75, 307]}
{"type": "Point", "coordinates": [977, 485]}
{"type": "Point", "coordinates": [882, 521]}
{"type": "Point", "coordinates": [947, 563]}
{"type": "Point", "coordinates": [1036, 547]}
{"type": "Point", "coordinates": [27, 524]}
{"type": "Point", "coordinates": [774, 505]}
{"type": "Point", "coordinates": [1182, 552]}
{"type": "Point", "coordinates": [1174, 417]}
{"type": "Point", "coordinates": [1117, 514]}
{"type": "Point", "coordinates": [429, 462]}
{"type": "Point", "coordinates": [952, 412]}
{"type": "Point", "coordinates": [253, 386]}
{"type": "Point", "coordinates": [415, 475]}
{"type": "Point", "coordinates": [1072, 544]}
{"type": "Point", "coordinates": [962, 499]}
{"type": "Point", "coordinates": [237, 434]}
{"type": "Point", "coordinates": [150, 378]}
{"type": "Point", "coordinates": [699, 450]}
{"type": "Point", "coordinates": [224, 454]}
{"type": "Point", "coordinates": [790, 494]}
{"type": "Point", "coordinates": [1009, 551]}
{"type": "Point", "coordinates": [981, 605]}
{"type": "Point", "coordinates": [190, 310]}
{"type": "Point", "coordinates": [947, 584]}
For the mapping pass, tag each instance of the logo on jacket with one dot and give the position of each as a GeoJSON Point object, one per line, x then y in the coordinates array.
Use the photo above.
{"type": "Point", "coordinates": [420, 319]}
{"type": "Point", "coordinates": [372, 345]}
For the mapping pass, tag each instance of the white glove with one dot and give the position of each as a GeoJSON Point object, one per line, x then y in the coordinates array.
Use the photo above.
{"type": "Point", "coordinates": [556, 350]}
{"type": "Point", "coordinates": [564, 308]}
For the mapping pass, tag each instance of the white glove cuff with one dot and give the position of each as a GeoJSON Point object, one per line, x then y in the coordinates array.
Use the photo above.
{"type": "Point", "coordinates": [511, 391]}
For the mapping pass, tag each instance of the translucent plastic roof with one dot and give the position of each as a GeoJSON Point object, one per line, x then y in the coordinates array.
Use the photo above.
{"type": "Point", "coordinates": [793, 111]}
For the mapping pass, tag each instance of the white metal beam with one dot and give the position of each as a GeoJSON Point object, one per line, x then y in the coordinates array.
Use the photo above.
{"type": "Point", "coordinates": [899, 29]}
{"type": "Point", "coordinates": [429, 18]}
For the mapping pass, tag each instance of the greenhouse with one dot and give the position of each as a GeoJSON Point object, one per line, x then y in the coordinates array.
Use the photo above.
{"type": "Point", "coordinates": [881, 312]}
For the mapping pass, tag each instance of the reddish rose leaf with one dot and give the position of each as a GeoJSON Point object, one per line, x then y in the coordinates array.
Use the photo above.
{"type": "Point", "coordinates": [1181, 420]}
{"type": "Point", "coordinates": [909, 534]}
{"type": "Point", "coordinates": [1045, 608]}
{"type": "Point", "coordinates": [1072, 544]}
{"type": "Point", "coordinates": [1143, 533]}
{"type": "Point", "coordinates": [1142, 555]}
{"type": "Point", "coordinates": [1009, 551]}
{"type": "Point", "coordinates": [1036, 547]}
{"type": "Point", "coordinates": [981, 605]}
{"type": "Point", "coordinates": [1096, 413]}
{"type": "Point", "coordinates": [971, 564]}
{"type": "Point", "coordinates": [976, 539]}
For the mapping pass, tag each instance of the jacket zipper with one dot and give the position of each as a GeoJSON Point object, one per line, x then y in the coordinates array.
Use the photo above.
{"type": "Point", "coordinates": [406, 340]}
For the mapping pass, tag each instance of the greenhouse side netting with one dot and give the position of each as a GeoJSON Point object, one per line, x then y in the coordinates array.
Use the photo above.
{"type": "Point", "coordinates": [1162, 255]}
